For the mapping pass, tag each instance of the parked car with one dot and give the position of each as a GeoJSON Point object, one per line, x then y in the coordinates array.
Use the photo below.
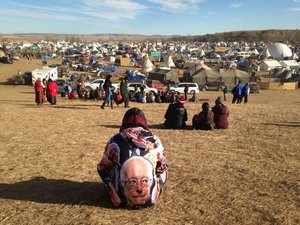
{"type": "Point", "coordinates": [254, 87]}
{"type": "Point", "coordinates": [213, 86]}
{"type": "Point", "coordinates": [193, 88]}
{"type": "Point", "coordinates": [132, 86]}
{"type": "Point", "coordinates": [92, 84]}
{"type": "Point", "coordinates": [155, 84]}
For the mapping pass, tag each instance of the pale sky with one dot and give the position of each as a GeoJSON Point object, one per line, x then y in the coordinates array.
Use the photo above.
{"type": "Point", "coordinates": [148, 17]}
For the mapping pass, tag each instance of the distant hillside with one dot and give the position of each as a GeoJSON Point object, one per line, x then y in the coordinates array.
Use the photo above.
{"type": "Point", "coordinates": [291, 36]}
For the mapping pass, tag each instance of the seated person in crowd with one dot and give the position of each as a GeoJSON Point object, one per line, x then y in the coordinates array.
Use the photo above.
{"type": "Point", "coordinates": [176, 114]}
{"type": "Point", "coordinates": [72, 95]}
{"type": "Point", "coordinates": [205, 119]}
{"type": "Point", "coordinates": [221, 114]}
{"type": "Point", "coordinates": [133, 167]}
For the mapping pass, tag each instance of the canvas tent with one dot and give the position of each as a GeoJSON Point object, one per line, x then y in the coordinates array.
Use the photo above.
{"type": "Point", "coordinates": [269, 64]}
{"type": "Point", "coordinates": [163, 75]}
{"type": "Point", "coordinates": [206, 75]}
{"type": "Point", "coordinates": [290, 64]}
{"type": "Point", "coordinates": [279, 51]}
{"type": "Point", "coordinates": [229, 76]}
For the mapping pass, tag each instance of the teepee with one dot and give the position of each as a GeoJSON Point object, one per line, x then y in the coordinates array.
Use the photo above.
{"type": "Point", "coordinates": [170, 62]}
{"type": "Point", "coordinates": [147, 65]}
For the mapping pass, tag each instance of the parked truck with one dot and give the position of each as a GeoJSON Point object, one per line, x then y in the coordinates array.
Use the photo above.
{"type": "Point", "coordinates": [44, 73]}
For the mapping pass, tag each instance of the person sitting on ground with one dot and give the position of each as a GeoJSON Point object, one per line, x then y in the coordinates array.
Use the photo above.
{"type": "Point", "coordinates": [72, 95]}
{"type": "Point", "coordinates": [193, 98]}
{"type": "Point", "coordinates": [176, 114]}
{"type": "Point", "coordinates": [205, 119]}
{"type": "Point", "coordinates": [221, 114]}
{"type": "Point", "coordinates": [133, 167]}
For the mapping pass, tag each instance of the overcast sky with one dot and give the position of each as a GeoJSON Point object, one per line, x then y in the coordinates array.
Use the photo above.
{"type": "Point", "coordinates": [164, 17]}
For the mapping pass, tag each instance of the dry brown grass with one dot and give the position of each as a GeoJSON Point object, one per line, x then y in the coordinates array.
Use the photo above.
{"type": "Point", "coordinates": [248, 174]}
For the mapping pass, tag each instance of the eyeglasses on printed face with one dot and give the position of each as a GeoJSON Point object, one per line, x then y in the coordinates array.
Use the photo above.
{"type": "Point", "coordinates": [145, 182]}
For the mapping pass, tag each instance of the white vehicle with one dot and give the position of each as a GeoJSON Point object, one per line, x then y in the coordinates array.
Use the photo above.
{"type": "Point", "coordinates": [133, 86]}
{"type": "Point", "coordinates": [92, 84]}
{"type": "Point", "coordinates": [193, 88]}
{"type": "Point", "coordinates": [44, 73]}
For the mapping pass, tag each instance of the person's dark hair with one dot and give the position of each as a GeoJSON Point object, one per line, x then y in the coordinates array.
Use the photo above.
{"type": "Point", "coordinates": [107, 82]}
{"type": "Point", "coordinates": [134, 117]}
{"type": "Point", "coordinates": [205, 109]}
{"type": "Point", "coordinates": [205, 106]}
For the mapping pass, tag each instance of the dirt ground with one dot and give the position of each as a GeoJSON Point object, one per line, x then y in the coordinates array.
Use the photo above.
{"type": "Point", "coordinates": [247, 174]}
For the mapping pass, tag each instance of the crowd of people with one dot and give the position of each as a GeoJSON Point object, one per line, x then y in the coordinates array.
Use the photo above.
{"type": "Point", "coordinates": [207, 119]}
{"type": "Point", "coordinates": [133, 166]}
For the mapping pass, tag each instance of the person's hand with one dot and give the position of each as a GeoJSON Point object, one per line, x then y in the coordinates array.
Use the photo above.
{"type": "Point", "coordinates": [115, 200]}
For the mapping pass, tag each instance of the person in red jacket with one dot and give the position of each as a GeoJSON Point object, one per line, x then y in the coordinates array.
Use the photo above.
{"type": "Point", "coordinates": [221, 114]}
{"type": "Point", "coordinates": [52, 91]}
{"type": "Point", "coordinates": [72, 95]}
{"type": "Point", "coordinates": [39, 92]}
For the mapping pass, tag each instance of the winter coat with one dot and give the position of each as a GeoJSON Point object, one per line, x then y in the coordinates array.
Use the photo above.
{"type": "Point", "coordinates": [38, 86]}
{"type": "Point", "coordinates": [221, 114]}
{"type": "Point", "coordinates": [53, 89]}
{"type": "Point", "coordinates": [175, 116]}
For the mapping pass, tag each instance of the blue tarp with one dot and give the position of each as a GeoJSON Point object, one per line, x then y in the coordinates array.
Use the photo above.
{"type": "Point", "coordinates": [135, 75]}
{"type": "Point", "coordinates": [112, 69]}
{"type": "Point", "coordinates": [185, 52]}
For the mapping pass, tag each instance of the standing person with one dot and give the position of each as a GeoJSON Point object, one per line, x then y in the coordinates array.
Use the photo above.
{"type": "Point", "coordinates": [108, 96]}
{"type": "Point", "coordinates": [225, 92]}
{"type": "Point", "coordinates": [52, 90]}
{"type": "Point", "coordinates": [221, 114]}
{"type": "Point", "coordinates": [239, 87]}
{"type": "Point", "coordinates": [142, 87]}
{"type": "Point", "coordinates": [39, 92]}
{"type": "Point", "coordinates": [133, 167]}
{"type": "Point", "coordinates": [186, 91]}
{"type": "Point", "coordinates": [245, 93]}
{"type": "Point", "coordinates": [205, 119]}
{"type": "Point", "coordinates": [176, 115]}
{"type": "Point", "coordinates": [124, 91]}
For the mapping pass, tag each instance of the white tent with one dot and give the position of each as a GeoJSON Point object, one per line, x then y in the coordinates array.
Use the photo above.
{"type": "Point", "coordinates": [295, 56]}
{"type": "Point", "coordinates": [147, 65]}
{"type": "Point", "coordinates": [279, 51]}
{"type": "Point", "coordinates": [290, 64]}
{"type": "Point", "coordinates": [265, 53]}
{"type": "Point", "coordinates": [202, 53]}
{"type": "Point", "coordinates": [269, 64]}
{"type": "Point", "coordinates": [170, 62]}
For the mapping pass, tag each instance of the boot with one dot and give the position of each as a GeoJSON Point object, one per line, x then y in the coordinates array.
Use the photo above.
{"type": "Point", "coordinates": [112, 104]}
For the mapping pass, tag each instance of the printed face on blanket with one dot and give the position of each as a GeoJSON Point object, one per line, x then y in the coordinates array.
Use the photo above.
{"type": "Point", "coordinates": [133, 166]}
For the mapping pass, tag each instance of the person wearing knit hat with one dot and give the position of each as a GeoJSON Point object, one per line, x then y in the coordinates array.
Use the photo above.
{"type": "Point", "coordinates": [219, 100]}
{"type": "Point", "coordinates": [176, 115]}
{"type": "Point", "coordinates": [221, 114]}
{"type": "Point", "coordinates": [181, 100]}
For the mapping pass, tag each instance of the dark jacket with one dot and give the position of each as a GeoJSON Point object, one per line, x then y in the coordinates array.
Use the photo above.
{"type": "Point", "coordinates": [176, 116]}
{"type": "Point", "coordinates": [123, 89]}
{"type": "Point", "coordinates": [221, 114]}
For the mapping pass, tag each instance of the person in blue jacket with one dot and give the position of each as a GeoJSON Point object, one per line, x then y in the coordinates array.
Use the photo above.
{"type": "Point", "coordinates": [239, 92]}
{"type": "Point", "coordinates": [245, 92]}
